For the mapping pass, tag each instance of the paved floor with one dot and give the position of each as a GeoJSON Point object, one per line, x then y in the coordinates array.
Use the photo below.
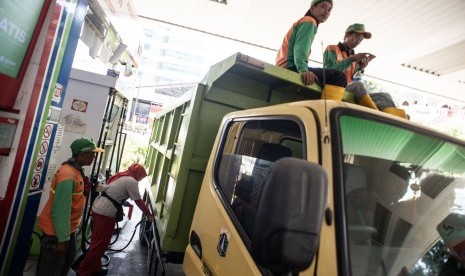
{"type": "Point", "coordinates": [132, 260]}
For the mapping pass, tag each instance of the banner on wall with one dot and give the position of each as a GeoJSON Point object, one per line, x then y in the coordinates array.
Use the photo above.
{"type": "Point", "coordinates": [18, 20]}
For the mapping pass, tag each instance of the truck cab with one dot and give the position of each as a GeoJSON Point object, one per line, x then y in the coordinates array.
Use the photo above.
{"type": "Point", "coordinates": [324, 188]}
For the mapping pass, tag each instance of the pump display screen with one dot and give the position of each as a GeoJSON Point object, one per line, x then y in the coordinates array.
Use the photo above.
{"type": "Point", "coordinates": [18, 20]}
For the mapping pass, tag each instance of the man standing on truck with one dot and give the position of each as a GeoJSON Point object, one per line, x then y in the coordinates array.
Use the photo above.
{"type": "Point", "coordinates": [296, 47]}
{"type": "Point", "coordinates": [342, 57]}
{"type": "Point", "coordinates": [62, 213]}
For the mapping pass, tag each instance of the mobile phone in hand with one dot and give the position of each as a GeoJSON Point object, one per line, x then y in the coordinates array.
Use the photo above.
{"type": "Point", "coordinates": [369, 56]}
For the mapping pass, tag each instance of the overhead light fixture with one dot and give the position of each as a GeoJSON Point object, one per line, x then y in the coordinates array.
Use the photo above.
{"type": "Point", "coordinates": [94, 49]}
{"type": "Point", "coordinates": [220, 1]}
{"type": "Point", "coordinates": [117, 53]}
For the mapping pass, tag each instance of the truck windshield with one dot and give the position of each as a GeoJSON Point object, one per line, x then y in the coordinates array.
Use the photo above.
{"type": "Point", "coordinates": [404, 194]}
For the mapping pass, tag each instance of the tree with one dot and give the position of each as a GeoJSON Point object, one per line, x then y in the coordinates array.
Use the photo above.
{"type": "Point", "coordinates": [135, 149]}
{"type": "Point", "coordinates": [432, 262]}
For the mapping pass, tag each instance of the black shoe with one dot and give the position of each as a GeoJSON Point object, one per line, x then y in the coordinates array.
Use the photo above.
{"type": "Point", "coordinates": [102, 272]}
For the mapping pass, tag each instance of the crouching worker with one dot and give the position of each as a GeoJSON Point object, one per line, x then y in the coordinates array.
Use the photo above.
{"type": "Point", "coordinates": [62, 213]}
{"type": "Point", "coordinates": [295, 52]}
{"type": "Point", "coordinates": [121, 186]}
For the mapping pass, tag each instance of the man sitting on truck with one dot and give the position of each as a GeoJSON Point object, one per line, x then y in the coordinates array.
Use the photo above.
{"type": "Point", "coordinates": [342, 57]}
{"type": "Point", "coordinates": [295, 52]}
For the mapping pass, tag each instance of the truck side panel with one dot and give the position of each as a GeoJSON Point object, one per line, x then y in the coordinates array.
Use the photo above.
{"type": "Point", "coordinates": [183, 136]}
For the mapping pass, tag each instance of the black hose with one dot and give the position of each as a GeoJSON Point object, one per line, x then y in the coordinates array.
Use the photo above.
{"type": "Point", "coordinates": [135, 228]}
{"type": "Point", "coordinates": [104, 130]}
{"type": "Point", "coordinates": [93, 175]}
{"type": "Point", "coordinates": [78, 260]}
{"type": "Point", "coordinates": [117, 234]}
{"type": "Point", "coordinates": [117, 138]}
{"type": "Point", "coordinates": [119, 250]}
{"type": "Point", "coordinates": [120, 150]}
{"type": "Point", "coordinates": [85, 219]}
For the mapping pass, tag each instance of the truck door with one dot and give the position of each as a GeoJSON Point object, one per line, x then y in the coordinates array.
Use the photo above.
{"type": "Point", "coordinates": [220, 237]}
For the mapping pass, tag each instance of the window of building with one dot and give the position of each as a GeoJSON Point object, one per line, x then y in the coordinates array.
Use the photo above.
{"type": "Point", "coordinates": [140, 110]}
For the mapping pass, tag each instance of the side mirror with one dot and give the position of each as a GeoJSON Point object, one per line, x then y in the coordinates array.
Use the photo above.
{"type": "Point", "coordinates": [289, 216]}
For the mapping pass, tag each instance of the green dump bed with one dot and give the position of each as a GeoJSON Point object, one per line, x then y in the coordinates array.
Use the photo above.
{"type": "Point", "coordinates": [183, 136]}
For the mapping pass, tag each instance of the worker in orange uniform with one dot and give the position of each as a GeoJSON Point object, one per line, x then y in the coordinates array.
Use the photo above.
{"type": "Point", "coordinates": [342, 57]}
{"type": "Point", "coordinates": [61, 216]}
{"type": "Point", "coordinates": [296, 47]}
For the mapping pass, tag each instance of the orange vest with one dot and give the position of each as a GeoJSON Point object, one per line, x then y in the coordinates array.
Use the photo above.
{"type": "Point", "coordinates": [341, 55]}
{"type": "Point", "coordinates": [65, 173]}
{"type": "Point", "coordinates": [286, 55]}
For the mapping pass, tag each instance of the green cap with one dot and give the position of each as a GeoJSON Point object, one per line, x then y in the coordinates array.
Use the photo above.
{"type": "Point", "coordinates": [315, 2]}
{"type": "Point", "coordinates": [84, 145]}
{"type": "Point", "coordinates": [358, 28]}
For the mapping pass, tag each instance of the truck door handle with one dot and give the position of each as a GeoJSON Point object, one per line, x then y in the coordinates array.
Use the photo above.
{"type": "Point", "coordinates": [196, 244]}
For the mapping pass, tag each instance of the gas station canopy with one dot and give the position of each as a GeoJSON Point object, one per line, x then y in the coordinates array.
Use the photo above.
{"type": "Point", "coordinates": [417, 43]}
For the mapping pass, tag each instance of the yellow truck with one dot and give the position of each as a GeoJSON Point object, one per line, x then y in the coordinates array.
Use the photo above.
{"type": "Point", "coordinates": [324, 188]}
{"type": "Point", "coordinates": [308, 187]}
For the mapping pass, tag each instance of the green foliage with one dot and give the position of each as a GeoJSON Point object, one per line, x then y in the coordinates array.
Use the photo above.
{"type": "Point", "coordinates": [135, 149]}
{"type": "Point", "coordinates": [432, 262]}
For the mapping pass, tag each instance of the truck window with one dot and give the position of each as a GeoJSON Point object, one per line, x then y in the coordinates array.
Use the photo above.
{"type": "Point", "coordinates": [248, 151]}
{"type": "Point", "coordinates": [404, 199]}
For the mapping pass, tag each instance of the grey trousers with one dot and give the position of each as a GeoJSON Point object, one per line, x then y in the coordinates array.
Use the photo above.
{"type": "Point", "coordinates": [53, 263]}
{"type": "Point", "coordinates": [358, 89]}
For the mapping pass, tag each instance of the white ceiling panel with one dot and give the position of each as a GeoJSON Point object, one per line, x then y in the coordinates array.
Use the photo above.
{"type": "Point", "coordinates": [447, 60]}
{"type": "Point", "coordinates": [403, 31]}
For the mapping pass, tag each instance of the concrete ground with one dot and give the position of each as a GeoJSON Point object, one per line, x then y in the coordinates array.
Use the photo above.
{"type": "Point", "coordinates": [130, 261]}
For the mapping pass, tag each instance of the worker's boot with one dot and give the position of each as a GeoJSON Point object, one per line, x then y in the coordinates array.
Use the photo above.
{"type": "Point", "coordinates": [333, 92]}
{"type": "Point", "coordinates": [361, 95]}
{"type": "Point", "coordinates": [396, 111]}
{"type": "Point", "coordinates": [368, 102]}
